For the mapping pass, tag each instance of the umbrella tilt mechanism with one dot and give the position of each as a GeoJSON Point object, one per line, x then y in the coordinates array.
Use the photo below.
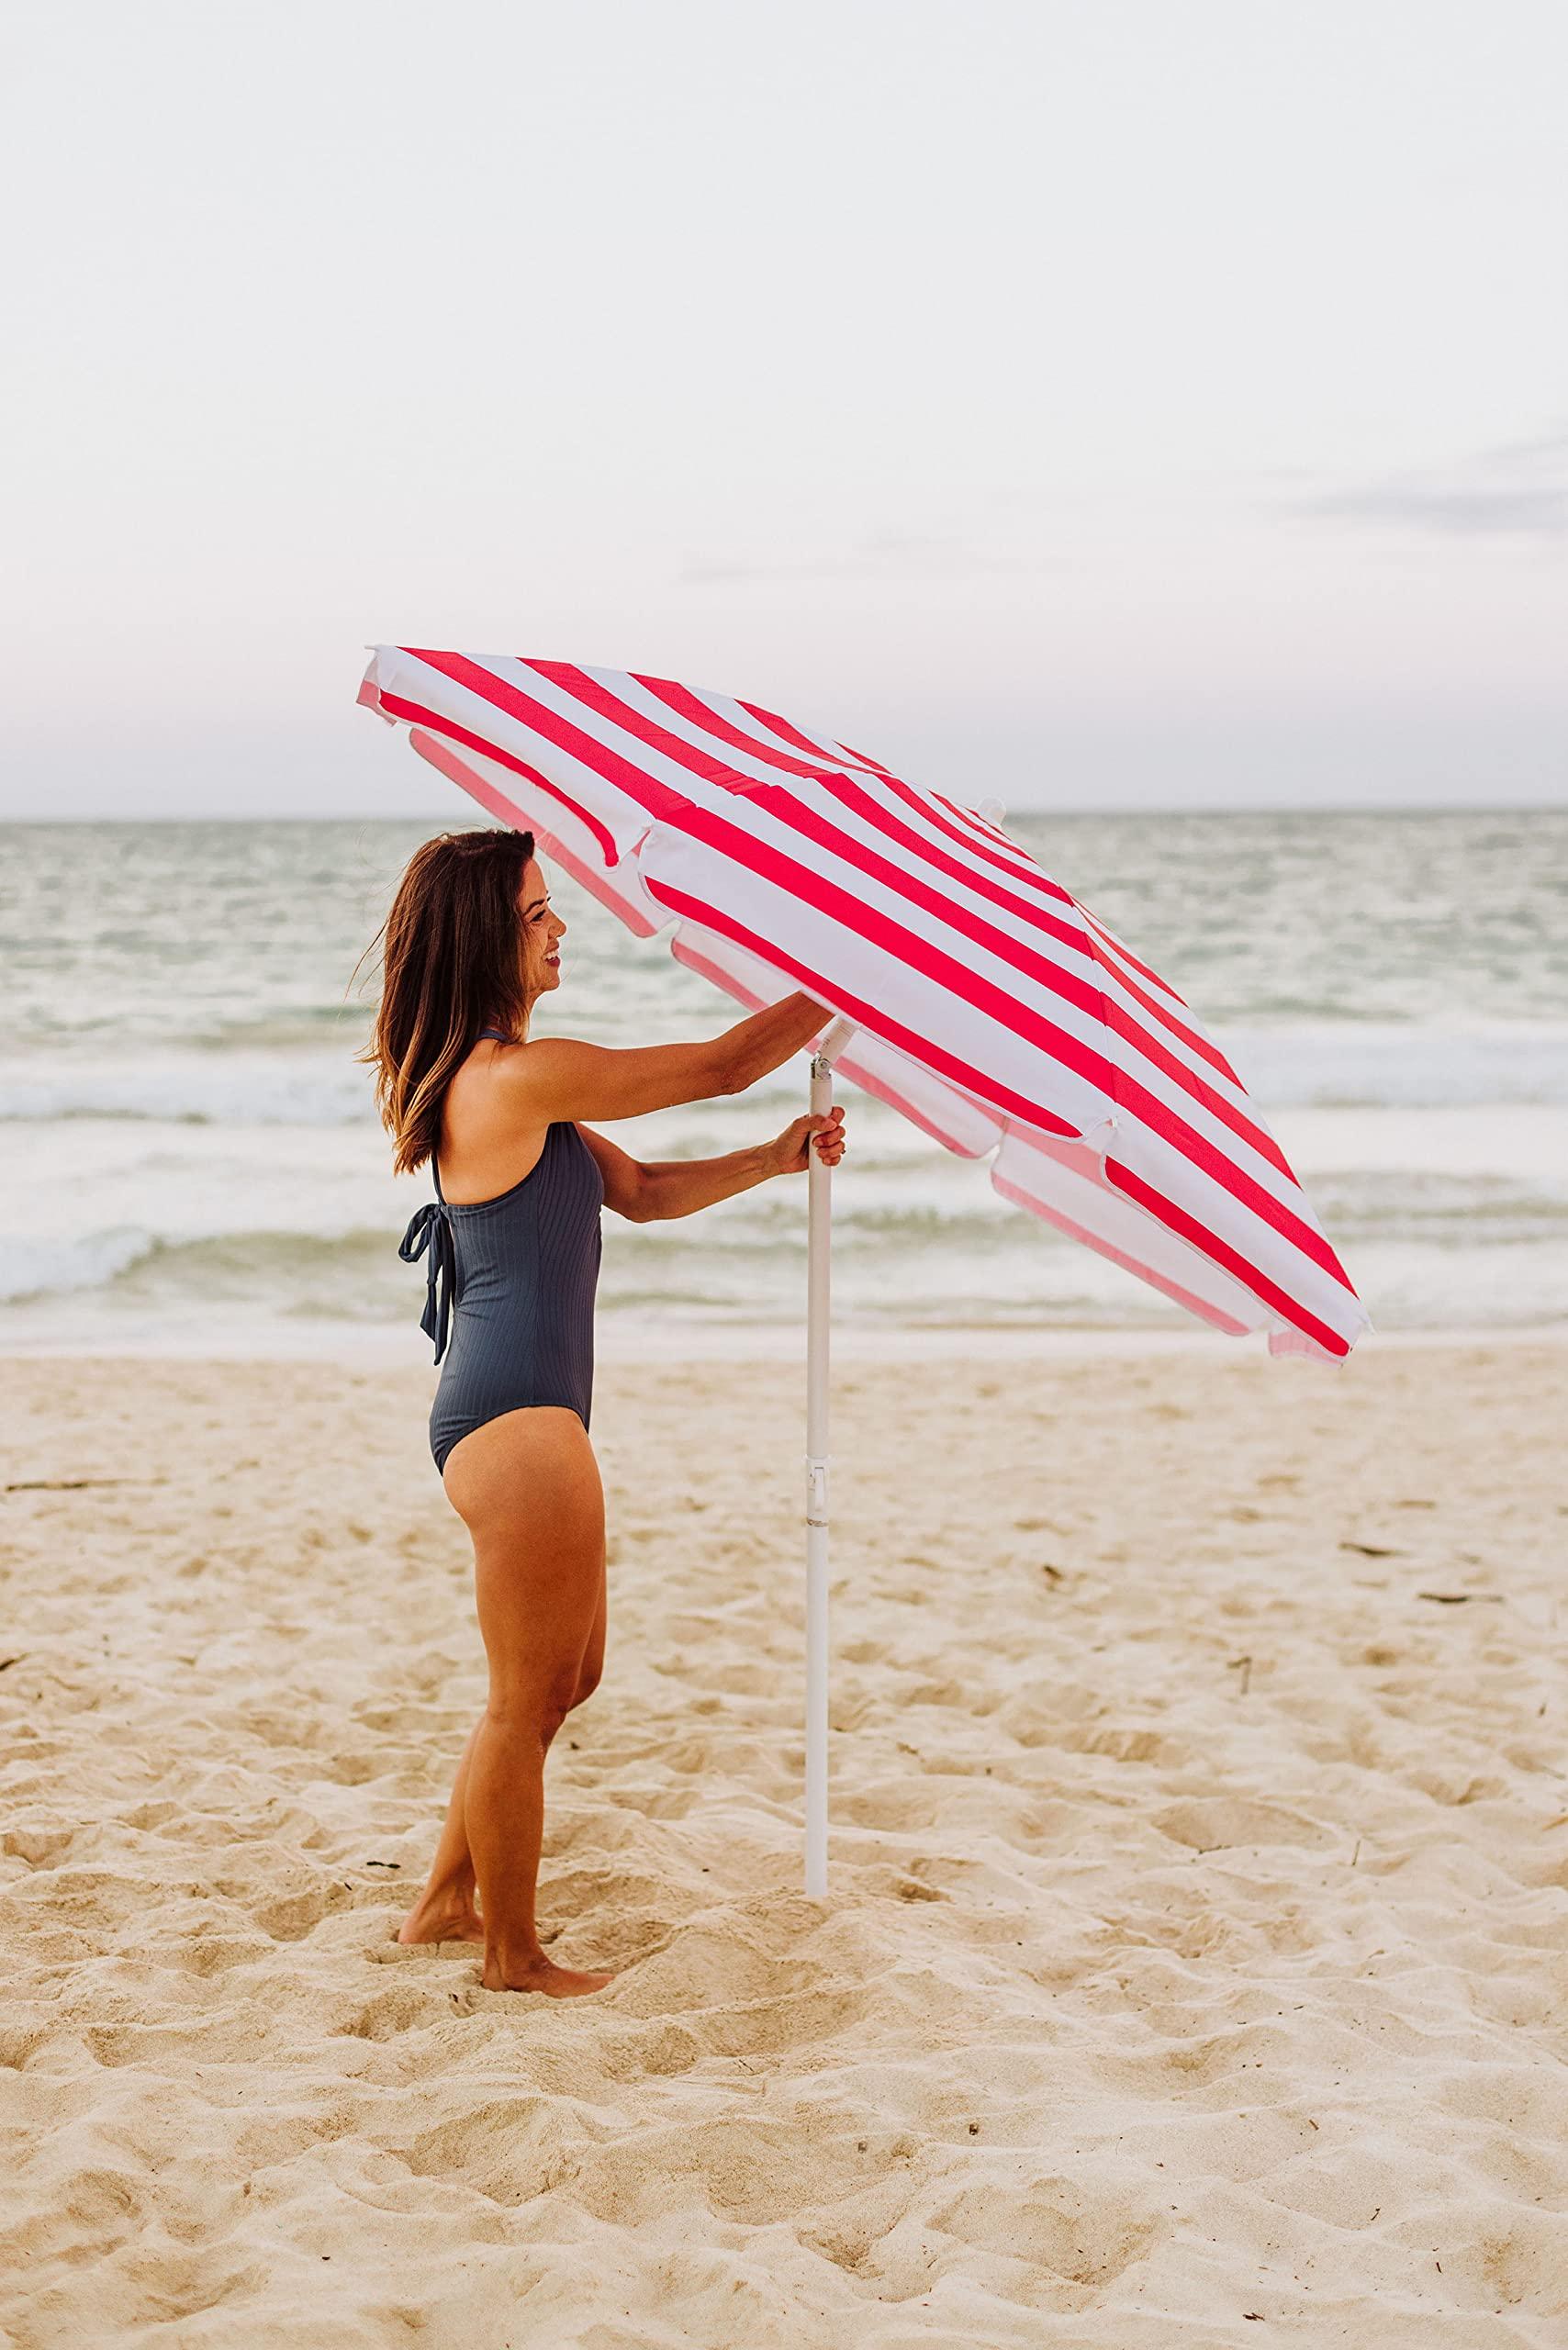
{"type": "Point", "coordinates": [819, 1181]}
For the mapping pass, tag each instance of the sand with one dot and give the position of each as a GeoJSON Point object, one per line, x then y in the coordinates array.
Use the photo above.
{"type": "Point", "coordinates": [1195, 1970]}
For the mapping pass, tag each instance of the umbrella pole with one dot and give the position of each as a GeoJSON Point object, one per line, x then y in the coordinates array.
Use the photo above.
{"type": "Point", "coordinates": [819, 1182]}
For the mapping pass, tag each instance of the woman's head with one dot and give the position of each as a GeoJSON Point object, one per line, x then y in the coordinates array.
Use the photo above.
{"type": "Point", "coordinates": [470, 943]}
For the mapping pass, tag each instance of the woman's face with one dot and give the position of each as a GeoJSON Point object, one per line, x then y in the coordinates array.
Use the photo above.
{"type": "Point", "coordinates": [543, 929]}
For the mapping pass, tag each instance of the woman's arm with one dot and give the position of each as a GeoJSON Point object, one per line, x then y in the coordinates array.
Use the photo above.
{"type": "Point", "coordinates": [557, 1077]}
{"type": "Point", "coordinates": [651, 1193]}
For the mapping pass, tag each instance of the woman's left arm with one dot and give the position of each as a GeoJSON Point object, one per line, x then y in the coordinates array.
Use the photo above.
{"type": "Point", "coordinates": [649, 1193]}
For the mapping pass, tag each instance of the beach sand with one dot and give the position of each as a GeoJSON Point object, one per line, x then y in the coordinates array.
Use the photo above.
{"type": "Point", "coordinates": [1195, 1968]}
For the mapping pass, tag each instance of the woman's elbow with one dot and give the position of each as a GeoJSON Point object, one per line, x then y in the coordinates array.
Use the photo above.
{"type": "Point", "coordinates": [639, 1204]}
{"type": "Point", "coordinates": [736, 1072]}
{"type": "Point", "coordinates": [727, 1073]}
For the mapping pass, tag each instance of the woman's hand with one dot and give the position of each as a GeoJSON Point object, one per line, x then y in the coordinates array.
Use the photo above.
{"type": "Point", "coordinates": [824, 1134]}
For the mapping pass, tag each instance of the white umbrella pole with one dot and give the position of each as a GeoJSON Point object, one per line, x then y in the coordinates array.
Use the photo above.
{"type": "Point", "coordinates": [819, 1181]}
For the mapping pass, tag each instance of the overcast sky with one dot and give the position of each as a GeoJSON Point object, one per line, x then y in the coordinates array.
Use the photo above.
{"type": "Point", "coordinates": [1089, 402]}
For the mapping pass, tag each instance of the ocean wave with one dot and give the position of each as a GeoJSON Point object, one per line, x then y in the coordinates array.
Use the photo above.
{"type": "Point", "coordinates": [194, 1089]}
{"type": "Point", "coordinates": [50, 1266]}
{"type": "Point", "coordinates": [748, 1255]}
{"type": "Point", "coordinates": [1391, 1065]}
{"type": "Point", "coordinates": [1338, 1064]}
{"type": "Point", "coordinates": [208, 1265]}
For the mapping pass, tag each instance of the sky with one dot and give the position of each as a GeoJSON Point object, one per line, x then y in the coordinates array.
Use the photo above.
{"type": "Point", "coordinates": [1082, 403]}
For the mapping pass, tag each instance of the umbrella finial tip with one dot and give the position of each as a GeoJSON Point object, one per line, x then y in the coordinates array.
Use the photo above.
{"type": "Point", "coordinates": [992, 810]}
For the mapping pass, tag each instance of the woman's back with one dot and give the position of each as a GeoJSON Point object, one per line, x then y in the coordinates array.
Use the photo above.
{"type": "Point", "coordinates": [511, 1282]}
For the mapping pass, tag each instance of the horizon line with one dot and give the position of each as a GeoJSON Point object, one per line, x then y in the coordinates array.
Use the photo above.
{"type": "Point", "coordinates": [1023, 808]}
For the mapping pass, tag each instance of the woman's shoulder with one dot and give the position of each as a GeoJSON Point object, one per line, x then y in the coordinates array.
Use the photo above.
{"type": "Point", "coordinates": [492, 1116]}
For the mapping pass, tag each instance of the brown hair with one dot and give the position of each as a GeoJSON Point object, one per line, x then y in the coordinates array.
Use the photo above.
{"type": "Point", "coordinates": [450, 964]}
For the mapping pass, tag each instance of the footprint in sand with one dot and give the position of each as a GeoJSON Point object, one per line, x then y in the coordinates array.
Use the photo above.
{"type": "Point", "coordinates": [1208, 1823]}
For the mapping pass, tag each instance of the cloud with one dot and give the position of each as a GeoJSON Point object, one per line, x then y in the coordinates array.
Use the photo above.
{"type": "Point", "coordinates": [1520, 491]}
{"type": "Point", "coordinates": [882, 555]}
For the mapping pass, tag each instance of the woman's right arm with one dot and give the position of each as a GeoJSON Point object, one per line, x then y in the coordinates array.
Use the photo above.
{"type": "Point", "coordinates": [557, 1078]}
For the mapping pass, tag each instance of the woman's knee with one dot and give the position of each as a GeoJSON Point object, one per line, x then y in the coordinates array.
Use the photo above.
{"type": "Point", "coordinates": [531, 1706]}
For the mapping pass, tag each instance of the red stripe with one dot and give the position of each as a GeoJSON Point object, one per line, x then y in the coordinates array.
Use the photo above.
{"type": "Point", "coordinates": [850, 1007]}
{"type": "Point", "coordinates": [1157, 1010]}
{"type": "Point", "coordinates": [1127, 956]}
{"type": "Point", "coordinates": [814, 890]}
{"type": "Point", "coordinates": [855, 797]}
{"type": "Point", "coordinates": [1027, 872]}
{"type": "Point", "coordinates": [976, 823]}
{"type": "Point", "coordinates": [792, 812]}
{"type": "Point", "coordinates": [416, 715]}
{"type": "Point", "coordinates": [1188, 1229]}
{"type": "Point", "coordinates": [687, 705]}
{"type": "Point", "coordinates": [863, 757]}
{"type": "Point", "coordinates": [785, 733]}
{"type": "Point", "coordinates": [431, 747]}
{"type": "Point", "coordinates": [695, 961]}
{"type": "Point", "coordinates": [1102, 1247]}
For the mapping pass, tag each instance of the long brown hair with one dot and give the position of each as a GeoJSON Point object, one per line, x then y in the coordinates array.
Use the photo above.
{"type": "Point", "coordinates": [450, 964]}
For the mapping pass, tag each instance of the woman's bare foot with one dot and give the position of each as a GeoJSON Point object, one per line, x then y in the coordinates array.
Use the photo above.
{"type": "Point", "coordinates": [441, 1922]}
{"type": "Point", "coordinates": [540, 1974]}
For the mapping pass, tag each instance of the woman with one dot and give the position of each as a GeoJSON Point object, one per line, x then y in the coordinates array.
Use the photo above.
{"type": "Point", "coordinates": [512, 1240]}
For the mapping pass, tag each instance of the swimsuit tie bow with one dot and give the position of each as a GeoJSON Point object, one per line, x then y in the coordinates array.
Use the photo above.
{"type": "Point", "coordinates": [430, 1230]}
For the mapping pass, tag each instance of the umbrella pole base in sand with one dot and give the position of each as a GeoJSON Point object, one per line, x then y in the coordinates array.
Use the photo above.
{"type": "Point", "coordinates": [819, 1180]}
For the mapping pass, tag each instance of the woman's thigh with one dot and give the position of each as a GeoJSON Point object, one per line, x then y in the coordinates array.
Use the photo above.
{"type": "Point", "coordinates": [527, 1487]}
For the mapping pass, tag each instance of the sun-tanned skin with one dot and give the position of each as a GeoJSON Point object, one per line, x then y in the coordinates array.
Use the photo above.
{"type": "Point", "coordinates": [527, 1484]}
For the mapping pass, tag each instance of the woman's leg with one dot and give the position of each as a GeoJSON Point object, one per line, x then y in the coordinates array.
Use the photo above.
{"type": "Point", "coordinates": [527, 1486]}
{"type": "Point", "coordinates": [445, 1911]}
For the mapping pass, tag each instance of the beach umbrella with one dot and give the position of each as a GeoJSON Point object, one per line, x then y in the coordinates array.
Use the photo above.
{"type": "Point", "coordinates": [969, 988]}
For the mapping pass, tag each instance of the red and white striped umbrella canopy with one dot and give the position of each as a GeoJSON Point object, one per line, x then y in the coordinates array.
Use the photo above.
{"type": "Point", "coordinates": [990, 1007]}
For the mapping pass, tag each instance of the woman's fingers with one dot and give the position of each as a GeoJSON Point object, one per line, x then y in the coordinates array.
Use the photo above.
{"type": "Point", "coordinates": [822, 1131]}
{"type": "Point", "coordinates": [827, 1135]}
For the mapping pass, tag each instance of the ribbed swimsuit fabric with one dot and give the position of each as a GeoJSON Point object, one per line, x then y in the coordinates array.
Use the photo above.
{"type": "Point", "coordinates": [509, 1289]}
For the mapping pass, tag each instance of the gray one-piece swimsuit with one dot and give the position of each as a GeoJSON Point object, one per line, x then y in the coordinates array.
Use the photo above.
{"type": "Point", "coordinates": [509, 1289]}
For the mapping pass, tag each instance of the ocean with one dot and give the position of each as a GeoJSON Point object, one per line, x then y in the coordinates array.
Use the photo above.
{"type": "Point", "coordinates": [191, 1159]}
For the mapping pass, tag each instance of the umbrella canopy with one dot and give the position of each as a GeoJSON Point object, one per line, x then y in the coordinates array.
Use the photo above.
{"type": "Point", "coordinates": [987, 1005]}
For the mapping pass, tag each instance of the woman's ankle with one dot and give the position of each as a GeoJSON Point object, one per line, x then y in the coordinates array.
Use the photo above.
{"type": "Point", "coordinates": [517, 1952]}
{"type": "Point", "coordinates": [454, 1892]}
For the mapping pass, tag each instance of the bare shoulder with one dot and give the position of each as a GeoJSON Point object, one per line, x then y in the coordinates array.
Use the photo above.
{"type": "Point", "coordinates": [493, 1123]}
{"type": "Point", "coordinates": [536, 1070]}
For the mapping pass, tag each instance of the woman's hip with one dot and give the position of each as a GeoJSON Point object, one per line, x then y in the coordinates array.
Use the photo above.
{"type": "Point", "coordinates": [529, 1466]}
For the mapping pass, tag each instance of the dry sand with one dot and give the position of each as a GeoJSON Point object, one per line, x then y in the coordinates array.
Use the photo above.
{"type": "Point", "coordinates": [1196, 1965]}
